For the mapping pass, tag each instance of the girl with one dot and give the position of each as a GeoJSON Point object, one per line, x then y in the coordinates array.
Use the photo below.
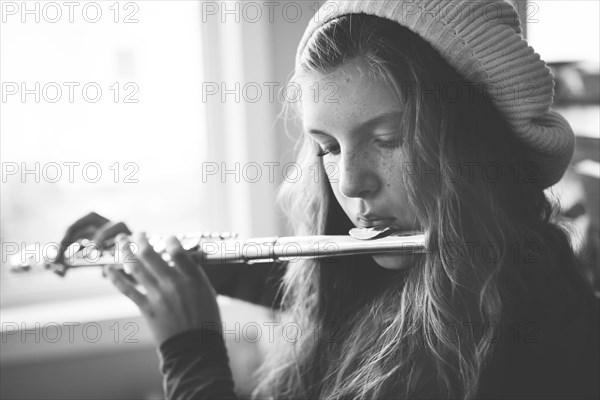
{"type": "Point", "coordinates": [438, 121]}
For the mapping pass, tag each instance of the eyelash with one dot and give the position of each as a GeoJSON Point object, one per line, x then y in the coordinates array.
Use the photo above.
{"type": "Point", "coordinates": [388, 145]}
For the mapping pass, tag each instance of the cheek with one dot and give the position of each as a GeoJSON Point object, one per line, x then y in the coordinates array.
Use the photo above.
{"type": "Point", "coordinates": [391, 175]}
{"type": "Point", "coordinates": [396, 187]}
{"type": "Point", "coordinates": [395, 184]}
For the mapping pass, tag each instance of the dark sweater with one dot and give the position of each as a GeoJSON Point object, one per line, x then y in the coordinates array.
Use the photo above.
{"type": "Point", "coordinates": [194, 363]}
{"type": "Point", "coordinates": [547, 346]}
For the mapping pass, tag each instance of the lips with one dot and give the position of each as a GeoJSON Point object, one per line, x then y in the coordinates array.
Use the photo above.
{"type": "Point", "coordinates": [380, 222]}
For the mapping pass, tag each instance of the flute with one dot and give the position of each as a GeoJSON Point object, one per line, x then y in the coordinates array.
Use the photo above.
{"type": "Point", "coordinates": [224, 248]}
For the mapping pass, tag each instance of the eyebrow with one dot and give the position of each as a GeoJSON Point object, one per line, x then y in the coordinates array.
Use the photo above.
{"type": "Point", "coordinates": [385, 117]}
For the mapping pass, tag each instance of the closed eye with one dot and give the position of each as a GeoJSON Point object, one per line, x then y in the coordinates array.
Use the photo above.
{"type": "Point", "coordinates": [387, 144]}
{"type": "Point", "coordinates": [392, 143]}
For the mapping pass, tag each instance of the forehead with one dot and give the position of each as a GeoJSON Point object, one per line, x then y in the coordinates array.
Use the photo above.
{"type": "Point", "coordinates": [348, 97]}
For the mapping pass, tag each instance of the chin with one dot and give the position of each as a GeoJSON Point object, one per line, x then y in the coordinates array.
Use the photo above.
{"type": "Point", "coordinates": [400, 261]}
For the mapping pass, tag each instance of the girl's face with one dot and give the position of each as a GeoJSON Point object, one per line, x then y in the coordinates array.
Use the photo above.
{"type": "Point", "coordinates": [356, 122]}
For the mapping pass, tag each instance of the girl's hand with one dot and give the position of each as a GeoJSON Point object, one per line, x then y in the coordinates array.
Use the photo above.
{"type": "Point", "coordinates": [94, 227]}
{"type": "Point", "coordinates": [174, 299]}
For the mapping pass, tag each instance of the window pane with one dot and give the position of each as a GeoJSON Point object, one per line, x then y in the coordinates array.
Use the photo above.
{"type": "Point", "coordinates": [564, 30]}
{"type": "Point", "coordinates": [106, 116]}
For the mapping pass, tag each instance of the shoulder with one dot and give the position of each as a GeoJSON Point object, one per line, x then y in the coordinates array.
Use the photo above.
{"type": "Point", "coordinates": [549, 344]}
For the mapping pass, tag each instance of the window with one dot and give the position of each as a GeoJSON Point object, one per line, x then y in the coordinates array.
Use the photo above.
{"type": "Point", "coordinates": [564, 30]}
{"type": "Point", "coordinates": [102, 114]}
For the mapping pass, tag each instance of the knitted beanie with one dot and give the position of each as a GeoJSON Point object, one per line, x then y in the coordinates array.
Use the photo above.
{"type": "Point", "coordinates": [482, 41]}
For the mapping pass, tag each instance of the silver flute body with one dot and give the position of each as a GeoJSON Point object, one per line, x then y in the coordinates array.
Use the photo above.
{"type": "Point", "coordinates": [225, 248]}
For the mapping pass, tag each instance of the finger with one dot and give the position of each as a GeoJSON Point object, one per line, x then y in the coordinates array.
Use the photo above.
{"type": "Point", "coordinates": [151, 259]}
{"type": "Point", "coordinates": [125, 286]}
{"type": "Point", "coordinates": [183, 262]}
{"type": "Point", "coordinates": [186, 265]}
{"type": "Point", "coordinates": [110, 230]}
{"type": "Point", "coordinates": [91, 219]}
{"type": "Point", "coordinates": [137, 269]}
{"type": "Point", "coordinates": [83, 228]}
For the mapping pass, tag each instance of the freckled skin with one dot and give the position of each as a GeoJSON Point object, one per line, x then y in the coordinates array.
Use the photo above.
{"type": "Point", "coordinates": [365, 177]}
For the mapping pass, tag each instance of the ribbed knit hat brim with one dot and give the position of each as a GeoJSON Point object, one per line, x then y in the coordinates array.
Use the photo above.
{"type": "Point", "coordinates": [482, 41]}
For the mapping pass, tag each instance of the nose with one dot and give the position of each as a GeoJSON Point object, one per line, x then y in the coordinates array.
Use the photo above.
{"type": "Point", "coordinates": [358, 176]}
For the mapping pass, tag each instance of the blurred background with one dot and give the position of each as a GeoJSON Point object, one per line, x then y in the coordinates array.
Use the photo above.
{"type": "Point", "coordinates": [131, 110]}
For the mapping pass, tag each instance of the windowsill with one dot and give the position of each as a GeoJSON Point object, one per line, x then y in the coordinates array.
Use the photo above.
{"type": "Point", "coordinates": [37, 288]}
{"type": "Point", "coordinates": [83, 327]}
{"type": "Point", "coordinates": [123, 339]}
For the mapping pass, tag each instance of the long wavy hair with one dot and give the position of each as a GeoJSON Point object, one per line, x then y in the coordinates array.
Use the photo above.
{"type": "Point", "coordinates": [371, 333]}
